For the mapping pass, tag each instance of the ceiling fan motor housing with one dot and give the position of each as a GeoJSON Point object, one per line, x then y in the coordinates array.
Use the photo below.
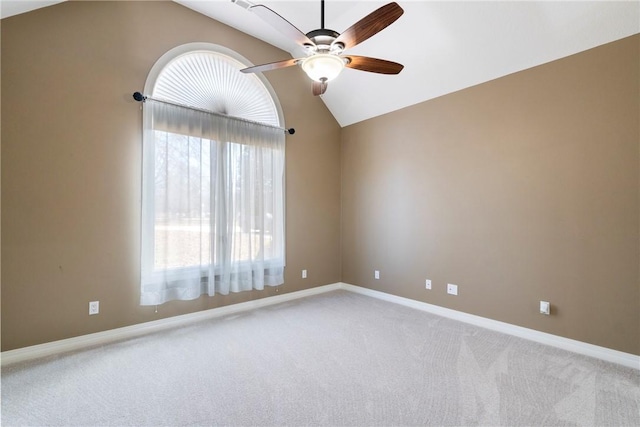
{"type": "Point", "coordinates": [323, 40]}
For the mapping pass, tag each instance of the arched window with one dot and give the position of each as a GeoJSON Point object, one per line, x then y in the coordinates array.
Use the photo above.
{"type": "Point", "coordinates": [213, 171]}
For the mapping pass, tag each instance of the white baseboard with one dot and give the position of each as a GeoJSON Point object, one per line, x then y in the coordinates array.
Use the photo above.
{"type": "Point", "coordinates": [105, 337]}
{"type": "Point", "coordinates": [101, 338]}
{"type": "Point", "coordinates": [602, 353]}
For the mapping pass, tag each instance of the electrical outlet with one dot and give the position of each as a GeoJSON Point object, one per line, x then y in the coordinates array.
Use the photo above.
{"type": "Point", "coordinates": [376, 274]}
{"type": "Point", "coordinates": [427, 284]}
{"type": "Point", "coordinates": [304, 274]}
{"type": "Point", "coordinates": [94, 307]}
{"type": "Point", "coordinates": [452, 289]}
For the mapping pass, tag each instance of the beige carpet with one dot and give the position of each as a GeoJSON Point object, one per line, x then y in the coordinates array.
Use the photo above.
{"type": "Point", "coordinates": [333, 359]}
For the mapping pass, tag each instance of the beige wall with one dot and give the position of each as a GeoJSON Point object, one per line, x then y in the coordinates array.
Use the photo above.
{"type": "Point", "coordinates": [518, 190]}
{"type": "Point", "coordinates": [71, 161]}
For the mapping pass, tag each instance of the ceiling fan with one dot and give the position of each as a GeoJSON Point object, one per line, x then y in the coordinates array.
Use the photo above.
{"type": "Point", "coordinates": [325, 47]}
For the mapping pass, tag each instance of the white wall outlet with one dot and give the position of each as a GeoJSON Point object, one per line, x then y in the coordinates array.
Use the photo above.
{"type": "Point", "coordinates": [545, 307]}
{"type": "Point", "coordinates": [452, 289]}
{"type": "Point", "coordinates": [376, 274]}
{"type": "Point", "coordinates": [304, 274]}
{"type": "Point", "coordinates": [94, 307]}
{"type": "Point", "coordinates": [427, 284]}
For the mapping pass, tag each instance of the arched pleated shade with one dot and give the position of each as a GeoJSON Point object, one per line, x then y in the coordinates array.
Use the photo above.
{"type": "Point", "coordinates": [212, 81]}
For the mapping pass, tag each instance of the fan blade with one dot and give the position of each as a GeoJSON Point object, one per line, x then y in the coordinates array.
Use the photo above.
{"type": "Point", "coordinates": [319, 88]}
{"type": "Point", "coordinates": [271, 66]}
{"type": "Point", "coordinates": [370, 25]}
{"type": "Point", "coordinates": [373, 65]}
{"type": "Point", "coordinates": [279, 23]}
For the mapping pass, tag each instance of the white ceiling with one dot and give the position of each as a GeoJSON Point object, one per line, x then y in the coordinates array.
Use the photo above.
{"type": "Point", "coordinates": [16, 7]}
{"type": "Point", "coordinates": [445, 46]}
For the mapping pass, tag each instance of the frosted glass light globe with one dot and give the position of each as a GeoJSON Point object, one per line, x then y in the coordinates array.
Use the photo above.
{"type": "Point", "coordinates": [323, 66]}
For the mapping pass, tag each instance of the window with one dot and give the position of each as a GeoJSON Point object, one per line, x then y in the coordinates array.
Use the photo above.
{"type": "Point", "coordinates": [213, 178]}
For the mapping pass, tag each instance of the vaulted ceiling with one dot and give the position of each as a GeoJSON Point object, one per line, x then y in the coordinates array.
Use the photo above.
{"type": "Point", "coordinates": [445, 46]}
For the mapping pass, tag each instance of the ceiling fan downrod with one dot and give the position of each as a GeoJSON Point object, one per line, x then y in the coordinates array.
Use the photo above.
{"type": "Point", "coordinates": [323, 38]}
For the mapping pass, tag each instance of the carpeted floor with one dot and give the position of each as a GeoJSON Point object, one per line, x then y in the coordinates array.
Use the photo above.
{"type": "Point", "coordinates": [334, 359]}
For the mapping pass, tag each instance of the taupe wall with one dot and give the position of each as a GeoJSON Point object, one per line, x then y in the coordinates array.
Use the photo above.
{"type": "Point", "coordinates": [71, 161]}
{"type": "Point", "coordinates": [517, 190]}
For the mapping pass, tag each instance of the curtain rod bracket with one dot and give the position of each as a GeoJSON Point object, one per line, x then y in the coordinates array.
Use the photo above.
{"type": "Point", "coordinates": [139, 97]}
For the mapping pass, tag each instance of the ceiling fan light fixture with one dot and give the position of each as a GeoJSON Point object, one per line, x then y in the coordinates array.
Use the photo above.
{"type": "Point", "coordinates": [323, 66]}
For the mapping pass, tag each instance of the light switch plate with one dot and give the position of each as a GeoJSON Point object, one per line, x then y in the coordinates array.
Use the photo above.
{"type": "Point", "coordinates": [545, 307]}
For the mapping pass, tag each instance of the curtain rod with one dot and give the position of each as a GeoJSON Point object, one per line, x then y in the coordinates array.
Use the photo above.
{"type": "Point", "coordinates": [142, 98]}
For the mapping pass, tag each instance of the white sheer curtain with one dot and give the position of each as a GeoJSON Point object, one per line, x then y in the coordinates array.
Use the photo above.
{"type": "Point", "coordinates": [212, 204]}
